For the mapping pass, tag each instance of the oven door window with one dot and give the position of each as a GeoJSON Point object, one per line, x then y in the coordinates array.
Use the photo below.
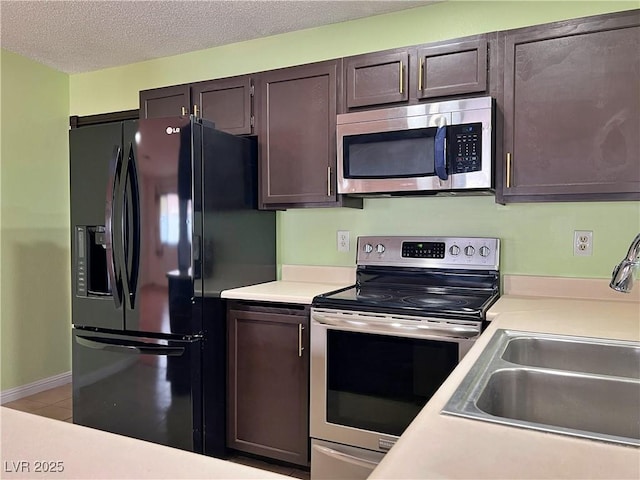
{"type": "Point", "coordinates": [403, 153]}
{"type": "Point", "coordinates": [380, 383]}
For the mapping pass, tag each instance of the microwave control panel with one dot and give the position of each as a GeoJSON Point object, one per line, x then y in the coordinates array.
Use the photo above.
{"type": "Point", "coordinates": [466, 147]}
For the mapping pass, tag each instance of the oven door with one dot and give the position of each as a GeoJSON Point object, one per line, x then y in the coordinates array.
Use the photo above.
{"type": "Point", "coordinates": [370, 378]}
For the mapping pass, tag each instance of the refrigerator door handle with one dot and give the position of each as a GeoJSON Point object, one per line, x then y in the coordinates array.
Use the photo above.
{"type": "Point", "coordinates": [115, 279]}
{"type": "Point", "coordinates": [197, 256]}
{"type": "Point", "coordinates": [131, 228]}
{"type": "Point", "coordinates": [129, 347]}
{"type": "Point", "coordinates": [132, 216]}
{"type": "Point", "coordinates": [135, 194]}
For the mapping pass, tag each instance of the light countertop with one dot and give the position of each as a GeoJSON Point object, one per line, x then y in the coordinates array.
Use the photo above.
{"type": "Point", "coordinates": [281, 291]}
{"type": "Point", "coordinates": [72, 451]}
{"type": "Point", "coordinates": [299, 284]}
{"type": "Point", "coordinates": [441, 446]}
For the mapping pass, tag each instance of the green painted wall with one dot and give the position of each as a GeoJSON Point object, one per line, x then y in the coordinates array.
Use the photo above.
{"type": "Point", "coordinates": [537, 239]}
{"type": "Point", "coordinates": [34, 253]}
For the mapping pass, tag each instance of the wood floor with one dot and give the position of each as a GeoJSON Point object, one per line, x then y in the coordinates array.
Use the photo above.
{"type": "Point", "coordinates": [56, 403]}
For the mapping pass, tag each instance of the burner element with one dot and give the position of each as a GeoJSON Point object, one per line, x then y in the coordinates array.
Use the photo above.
{"type": "Point", "coordinates": [436, 302]}
{"type": "Point", "coordinates": [368, 296]}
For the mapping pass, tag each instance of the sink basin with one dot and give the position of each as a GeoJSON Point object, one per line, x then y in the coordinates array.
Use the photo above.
{"type": "Point", "coordinates": [578, 386]}
{"type": "Point", "coordinates": [577, 356]}
{"type": "Point", "coordinates": [595, 404]}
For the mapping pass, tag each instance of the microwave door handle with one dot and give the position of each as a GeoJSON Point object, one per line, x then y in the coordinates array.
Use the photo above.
{"type": "Point", "coordinates": [439, 148]}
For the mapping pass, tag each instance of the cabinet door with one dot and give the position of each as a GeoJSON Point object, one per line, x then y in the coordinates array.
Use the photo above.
{"type": "Point", "coordinates": [452, 68]}
{"type": "Point", "coordinates": [268, 385]}
{"type": "Point", "coordinates": [377, 78]}
{"type": "Point", "coordinates": [297, 134]}
{"type": "Point", "coordinates": [571, 117]}
{"type": "Point", "coordinates": [226, 102]}
{"type": "Point", "coordinates": [165, 102]}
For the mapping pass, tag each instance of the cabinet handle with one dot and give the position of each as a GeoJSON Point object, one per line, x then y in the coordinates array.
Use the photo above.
{"type": "Point", "coordinates": [421, 74]}
{"type": "Point", "coordinates": [300, 347]}
{"type": "Point", "coordinates": [183, 111]}
{"type": "Point", "coordinates": [195, 110]}
{"type": "Point", "coordinates": [328, 181]}
{"type": "Point", "coordinates": [509, 169]}
{"type": "Point", "coordinates": [401, 77]}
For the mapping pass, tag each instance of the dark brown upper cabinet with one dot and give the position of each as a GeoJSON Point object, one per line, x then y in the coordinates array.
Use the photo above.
{"type": "Point", "coordinates": [453, 68]}
{"type": "Point", "coordinates": [377, 78]}
{"type": "Point", "coordinates": [268, 381]}
{"type": "Point", "coordinates": [165, 102]}
{"type": "Point", "coordinates": [571, 111]}
{"type": "Point", "coordinates": [227, 102]}
{"type": "Point", "coordinates": [296, 119]}
{"type": "Point", "coordinates": [416, 74]}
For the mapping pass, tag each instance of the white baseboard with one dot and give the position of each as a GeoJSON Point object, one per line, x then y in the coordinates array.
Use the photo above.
{"type": "Point", "coordinates": [17, 393]}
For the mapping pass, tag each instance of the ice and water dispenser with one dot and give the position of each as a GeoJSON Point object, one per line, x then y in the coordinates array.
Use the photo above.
{"type": "Point", "coordinates": [92, 277]}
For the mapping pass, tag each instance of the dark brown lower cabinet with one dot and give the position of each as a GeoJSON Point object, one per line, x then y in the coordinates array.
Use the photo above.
{"type": "Point", "coordinates": [268, 380]}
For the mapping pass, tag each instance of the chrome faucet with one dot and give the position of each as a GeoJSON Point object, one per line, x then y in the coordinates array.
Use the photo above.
{"type": "Point", "coordinates": [622, 276]}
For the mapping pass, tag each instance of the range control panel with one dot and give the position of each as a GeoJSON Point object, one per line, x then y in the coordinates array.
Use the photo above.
{"type": "Point", "coordinates": [474, 253]}
{"type": "Point", "coordinates": [423, 249]}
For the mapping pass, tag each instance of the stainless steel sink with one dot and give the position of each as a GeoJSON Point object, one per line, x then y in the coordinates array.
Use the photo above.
{"type": "Point", "coordinates": [576, 355]}
{"type": "Point", "coordinates": [600, 405]}
{"type": "Point", "coordinates": [577, 386]}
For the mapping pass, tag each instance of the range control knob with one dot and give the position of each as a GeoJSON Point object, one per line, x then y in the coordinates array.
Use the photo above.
{"type": "Point", "coordinates": [469, 251]}
{"type": "Point", "coordinates": [484, 251]}
{"type": "Point", "coordinates": [380, 248]}
{"type": "Point", "coordinates": [454, 250]}
{"type": "Point", "coordinates": [367, 248]}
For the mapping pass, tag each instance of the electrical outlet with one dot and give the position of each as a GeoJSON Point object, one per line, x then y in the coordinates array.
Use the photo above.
{"type": "Point", "coordinates": [343, 240]}
{"type": "Point", "coordinates": [583, 243]}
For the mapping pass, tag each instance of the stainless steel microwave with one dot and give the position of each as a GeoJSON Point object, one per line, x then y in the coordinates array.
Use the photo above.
{"type": "Point", "coordinates": [428, 148]}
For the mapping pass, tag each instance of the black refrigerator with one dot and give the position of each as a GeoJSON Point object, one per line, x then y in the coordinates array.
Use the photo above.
{"type": "Point", "coordinates": [163, 218]}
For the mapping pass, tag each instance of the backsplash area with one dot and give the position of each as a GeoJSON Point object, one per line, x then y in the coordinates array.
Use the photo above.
{"type": "Point", "coordinates": [537, 239]}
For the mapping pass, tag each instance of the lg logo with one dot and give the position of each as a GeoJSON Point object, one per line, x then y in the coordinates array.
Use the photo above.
{"type": "Point", "coordinates": [171, 130]}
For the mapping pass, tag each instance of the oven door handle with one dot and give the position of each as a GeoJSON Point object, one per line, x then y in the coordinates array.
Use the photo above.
{"type": "Point", "coordinates": [423, 331]}
{"type": "Point", "coordinates": [361, 462]}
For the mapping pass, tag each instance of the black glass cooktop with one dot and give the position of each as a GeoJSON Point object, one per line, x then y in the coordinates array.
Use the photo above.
{"type": "Point", "coordinates": [409, 302]}
{"type": "Point", "coordinates": [437, 295]}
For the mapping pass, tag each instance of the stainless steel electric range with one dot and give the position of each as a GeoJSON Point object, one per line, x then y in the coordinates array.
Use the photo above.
{"type": "Point", "coordinates": [382, 347]}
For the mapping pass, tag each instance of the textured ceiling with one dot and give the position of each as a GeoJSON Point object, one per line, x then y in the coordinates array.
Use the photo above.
{"type": "Point", "coordinates": [84, 35]}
